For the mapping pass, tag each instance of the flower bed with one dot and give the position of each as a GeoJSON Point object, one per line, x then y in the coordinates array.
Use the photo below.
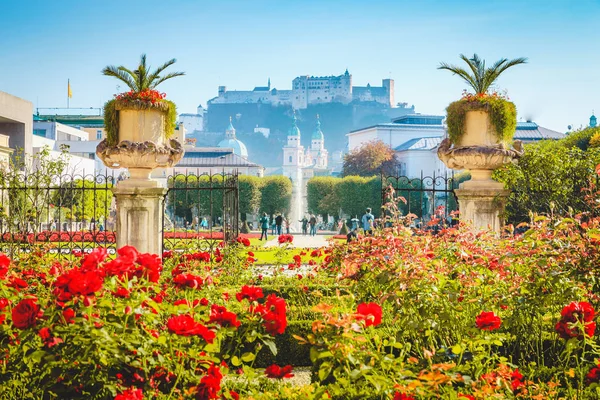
{"type": "Point", "coordinates": [62, 236]}
{"type": "Point", "coordinates": [392, 316]}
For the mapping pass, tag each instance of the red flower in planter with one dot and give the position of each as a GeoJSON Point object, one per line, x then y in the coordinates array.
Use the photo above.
{"type": "Point", "coordinates": [252, 293]}
{"type": "Point", "coordinates": [185, 325]}
{"type": "Point", "coordinates": [220, 315]}
{"type": "Point", "coordinates": [488, 321]}
{"type": "Point", "coordinates": [131, 394]}
{"type": "Point", "coordinates": [370, 313]}
{"type": "Point", "coordinates": [576, 312]}
{"type": "Point", "coordinates": [24, 315]}
{"type": "Point", "coordinates": [276, 372]}
{"type": "Point", "coordinates": [210, 384]}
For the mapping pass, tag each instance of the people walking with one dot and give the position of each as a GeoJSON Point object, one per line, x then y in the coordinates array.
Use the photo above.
{"type": "Point", "coordinates": [278, 223]}
{"type": "Point", "coordinates": [368, 221]}
{"type": "Point", "coordinates": [286, 223]}
{"type": "Point", "coordinates": [313, 225]}
{"type": "Point", "coordinates": [304, 221]}
{"type": "Point", "coordinates": [264, 226]}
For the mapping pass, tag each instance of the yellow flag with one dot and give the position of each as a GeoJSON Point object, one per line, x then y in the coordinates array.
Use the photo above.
{"type": "Point", "coordinates": [69, 89]}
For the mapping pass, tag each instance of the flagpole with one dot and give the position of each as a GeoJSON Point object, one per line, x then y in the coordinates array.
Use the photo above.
{"type": "Point", "coordinates": [68, 90]}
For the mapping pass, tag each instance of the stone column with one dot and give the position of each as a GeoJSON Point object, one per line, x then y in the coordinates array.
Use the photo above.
{"type": "Point", "coordinates": [140, 217]}
{"type": "Point", "coordinates": [482, 208]}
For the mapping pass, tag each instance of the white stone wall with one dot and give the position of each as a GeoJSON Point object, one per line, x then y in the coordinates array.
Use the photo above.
{"type": "Point", "coordinates": [192, 122]}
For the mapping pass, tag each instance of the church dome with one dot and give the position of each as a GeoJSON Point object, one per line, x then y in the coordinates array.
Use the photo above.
{"type": "Point", "coordinates": [231, 141]}
{"type": "Point", "coordinates": [318, 133]}
{"type": "Point", "coordinates": [238, 147]}
{"type": "Point", "coordinates": [294, 130]}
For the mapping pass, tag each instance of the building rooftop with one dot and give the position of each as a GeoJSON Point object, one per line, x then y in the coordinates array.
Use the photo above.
{"type": "Point", "coordinates": [530, 131]}
{"type": "Point", "coordinates": [213, 157]}
{"type": "Point", "coordinates": [423, 143]}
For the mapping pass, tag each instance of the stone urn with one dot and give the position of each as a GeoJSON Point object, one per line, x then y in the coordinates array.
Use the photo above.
{"type": "Point", "coordinates": [479, 150]}
{"type": "Point", "coordinates": [142, 145]}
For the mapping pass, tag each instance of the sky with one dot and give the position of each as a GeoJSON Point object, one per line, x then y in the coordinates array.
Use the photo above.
{"type": "Point", "coordinates": [240, 44]}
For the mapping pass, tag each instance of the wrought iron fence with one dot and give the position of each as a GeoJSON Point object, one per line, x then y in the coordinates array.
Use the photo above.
{"type": "Point", "coordinates": [64, 213]}
{"type": "Point", "coordinates": [425, 197]}
{"type": "Point", "coordinates": [200, 211]}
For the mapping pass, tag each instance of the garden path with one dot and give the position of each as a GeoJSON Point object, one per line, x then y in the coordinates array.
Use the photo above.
{"type": "Point", "coordinates": [302, 241]}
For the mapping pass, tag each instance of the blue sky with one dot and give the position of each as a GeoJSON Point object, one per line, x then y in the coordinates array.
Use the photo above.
{"type": "Point", "coordinates": [241, 44]}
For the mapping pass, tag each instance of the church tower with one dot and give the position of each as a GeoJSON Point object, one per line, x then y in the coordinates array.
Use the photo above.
{"type": "Point", "coordinates": [593, 122]}
{"type": "Point", "coordinates": [317, 147]}
{"type": "Point", "coordinates": [293, 153]}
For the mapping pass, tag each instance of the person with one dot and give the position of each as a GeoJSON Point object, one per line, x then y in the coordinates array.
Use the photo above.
{"type": "Point", "coordinates": [264, 226]}
{"type": "Point", "coordinates": [273, 226]}
{"type": "Point", "coordinates": [204, 223]}
{"type": "Point", "coordinates": [367, 222]}
{"type": "Point", "coordinates": [278, 222]}
{"type": "Point", "coordinates": [351, 236]}
{"type": "Point", "coordinates": [304, 221]}
{"type": "Point", "coordinates": [286, 222]}
{"type": "Point", "coordinates": [313, 225]}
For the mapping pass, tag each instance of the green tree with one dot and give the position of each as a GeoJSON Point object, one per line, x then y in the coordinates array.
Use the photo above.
{"type": "Point", "coordinates": [249, 195]}
{"type": "Point", "coordinates": [356, 194]}
{"type": "Point", "coordinates": [322, 196]}
{"type": "Point", "coordinates": [276, 195]}
{"type": "Point", "coordinates": [82, 200]}
{"type": "Point", "coordinates": [549, 177]}
{"type": "Point", "coordinates": [141, 78]}
{"type": "Point", "coordinates": [481, 78]}
{"type": "Point", "coordinates": [370, 159]}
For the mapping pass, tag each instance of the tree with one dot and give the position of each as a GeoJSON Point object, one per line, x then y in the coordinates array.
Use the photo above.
{"type": "Point", "coordinates": [372, 158]}
{"type": "Point", "coordinates": [356, 194]}
{"type": "Point", "coordinates": [481, 78]}
{"type": "Point", "coordinates": [141, 78]}
{"type": "Point", "coordinates": [322, 197]}
{"type": "Point", "coordinates": [550, 178]}
{"type": "Point", "coordinates": [276, 195]}
{"type": "Point", "coordinates": [249, 195]}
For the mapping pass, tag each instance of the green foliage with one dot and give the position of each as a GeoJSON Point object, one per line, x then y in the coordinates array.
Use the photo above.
{"type": "Point", "coordinates": [141, 78]}
{"type": "Point", "coordinates": [580, 139]}
{"type": "Point", "coordinates": [249, 194]}
{"type": "Point", "coordinates": [480, 78]}
{"type": "Point", "coordinates": [549, 178]}
{"type": "Point", "coordinates": [356, 194]}
{"type": "Point", "coordinates": [82, 200]}
{"type": "Point", "coordinates": [373, 158]}
{"type": "Point", "coordinates": [276, 195]}
{"type": "Point", "coordinates": [503, 116]}
{"type": "Point", "coordinates": [321, 195]}
{"type": "Point", "coordinates": [111, 116]}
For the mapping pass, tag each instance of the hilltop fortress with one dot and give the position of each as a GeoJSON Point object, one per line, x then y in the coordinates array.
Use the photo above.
{"type": "Point", "coordinates": [311, 90]}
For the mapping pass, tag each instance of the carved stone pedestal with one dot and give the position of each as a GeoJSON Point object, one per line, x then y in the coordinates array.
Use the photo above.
{"type": "Point", "coordinates": [140, 217]}
{"type": "Point", "coordinates": [482, 207]}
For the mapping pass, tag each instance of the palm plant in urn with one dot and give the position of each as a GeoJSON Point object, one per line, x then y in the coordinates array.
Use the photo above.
{"type": "Point", "coordinates": [140, 124]}
{"type": "Point", "coordinates": [481, 124]}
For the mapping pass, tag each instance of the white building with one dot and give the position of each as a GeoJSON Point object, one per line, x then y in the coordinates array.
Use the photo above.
{"type": "Point", "coordinates": [416, 137]}
{"type": "Point", "coordinates": [307, 90]}
{"type": "Point", "coordinates": [193, 122]}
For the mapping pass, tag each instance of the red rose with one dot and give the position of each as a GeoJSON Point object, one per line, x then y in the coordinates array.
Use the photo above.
{"type": "Point", "coordinates": [220, 315]}
{"type": "Point", "coordinates": [69, 315]}
{"type": "Point", "coordinates": [85, 283]}
{"type": "Point", "coordinates": [92, 260]}
{"type": "Point", "coordinates": [594, 375]}
{"type": "Point", "coordinates": [402, 396]}
{"type": "Point", "coordinates": [276, 372]}
{"type": "Point", "coordinates": [122, 292]}
{"type": "Point", "coordinates": [274, 314]}
{"type": "Point", "coordinates": [152, 266]}
{"type": "Point", "coordinates": [574, 314]}
{"type": "Point", "coordinates": [488, 321]}
{"type": "Point", "coordinates": [466, 396]}
{"type": "Point", "coordinates": [210, 384]}
{"type": "Point", "coordinates": [131, 394]}
{"type": "Point", "coordinates": [370, 313]}
{"type": "Point", "coordinates": [189, 280]}
{"type": "Point", "coordinates": [185, 325]}
{"type": "Point", "coordinates": [24, 315]}
{"type": "Point", "coordinates": [4, 264]}
{"type": "Point", "coordinates": [252, 293]}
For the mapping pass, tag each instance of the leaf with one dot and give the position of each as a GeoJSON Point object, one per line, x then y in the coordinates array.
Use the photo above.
{"type": "Point", "coordinates": [457, 349]}
{"type": "Point", "coordinates": [235, 361]}
{"type": "Point", "coordinates": [324, 370]}
{"type": "Point", "coordinates": [37, 356]}
{"type": "Point", "coordinates": [248, 357]}
{"type": "Point", "coordinates": [271, 345]}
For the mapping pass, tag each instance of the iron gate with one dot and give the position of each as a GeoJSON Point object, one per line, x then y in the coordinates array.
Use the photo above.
{"type": "Point", "coordinates": [200, 211]}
